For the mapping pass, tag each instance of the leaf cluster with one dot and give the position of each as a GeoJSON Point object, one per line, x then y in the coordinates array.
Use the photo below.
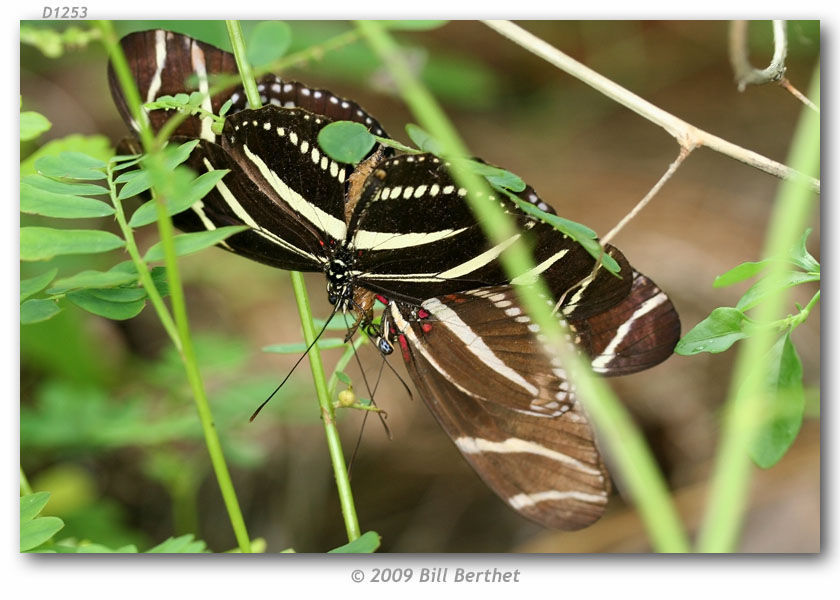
{"type": "Point", "coordinates": [784, 398]}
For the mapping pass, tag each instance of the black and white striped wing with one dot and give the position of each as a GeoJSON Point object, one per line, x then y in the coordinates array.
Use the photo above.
{"type": "Point", "coordinates": [164, 63]}
{"type": "Point", "coordinates": [277, 235]}
{"type": "Point", "coordinates": [635, 334]}
{"type": "Point", "coordinates": [167, 63]}
{"type": "Point", "coordinates": [480, 364]}
{"type": "Point", "coordinates": [280, 185]}
{"type": "Point", "coordinates": [506, 405]}
{"type": "Point", "coordinates": [416, 237]}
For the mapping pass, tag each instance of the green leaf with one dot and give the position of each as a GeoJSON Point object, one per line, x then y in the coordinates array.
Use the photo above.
{"type": "Point", "coordinates": [71, 165]}
{"type": "Point", "coordinates": [28, 287]}
{"type": "Point", "coordinates": [716, 333]}
{"type": "Point", "coordinates": [187, 243]}
{"type": "Point", "coordinates": [497, 177]}
{"type": "Point", "coordinates": [92, 279]}
{"type": "Point", "coordinates": [297, 348]}
{"type": "Point", "coordinates": [31, 505]}
{"type": "Point", "coordinates": [36, 532]}
{"type": "Point", "coordinates": [422, 139]}
{"type": "Point", "coordinates": [119, 294]}
{"type": "Point", "coordinates": [160, 281]}
{"type": "Point", "coordinates": [136, 182]}
{"type": "Point", "coordinates": [32, 125]}
{"type": "Point", "coordinates": [343, 378]}
{"type": "Point", "coordinates": [582, 234]}
{"type": "Point", "coordinates": [185, 544]}
{"type": "Point", "coordinates": [175, 155]}
{"type": "Point", "coordinates": [800, 256]}
{"type": "Point", "coordinates": [72, 188]}
{"type": "Point", "coordinates": [199, 187]}
{"type": "Point", "coordinates": [784, 405]}
{"type": "Point", "coordinates": [365, 544]}
{"type": "Point", "coordinates": [93, 303]}
{"type": "Point", "coordinates": [737, 274]}
{"type": "Point", "coordinates": [268, 41]}
{"type": "Point", "coordinates": [346, 141]}
{"type": "Point", "coordinates": [396, 145]}
{"type": "Point", "coordinates": [37, 310]}
{"type": "Point", "coordinates": [36, 201]}
{"type": "Point", "coordinates": [413, 24]}
{"type": "Point", "coordinates": [89, 548]}
{"type": "Point", "coordinates": [97, 146]}
{"type": "Point", "coordinates": [43, 243]}
{"type": "Point", "coordinates": [761, 289]}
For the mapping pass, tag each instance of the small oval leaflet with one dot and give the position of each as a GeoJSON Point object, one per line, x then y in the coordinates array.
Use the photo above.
{"type": "Point", "coordinates": [346, 141]}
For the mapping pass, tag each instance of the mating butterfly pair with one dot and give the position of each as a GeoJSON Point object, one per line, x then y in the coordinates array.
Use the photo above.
{"type": "Point", "coordinates": [399, 227]}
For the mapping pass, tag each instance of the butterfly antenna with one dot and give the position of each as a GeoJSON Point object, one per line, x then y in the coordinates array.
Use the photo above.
{"type": "Point", "coordinates": [302, 356]}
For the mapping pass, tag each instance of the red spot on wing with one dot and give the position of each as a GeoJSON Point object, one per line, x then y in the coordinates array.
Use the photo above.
{"type": "Point", "coordinates": [404, 348]}
{"type": "Point", "coordinates": [427, 327]}
{"type": "Point", "coordinates": [423, 313]}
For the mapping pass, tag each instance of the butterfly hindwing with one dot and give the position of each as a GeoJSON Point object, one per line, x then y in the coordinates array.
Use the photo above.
{"type": "Point", "coordinates": [541, 459]}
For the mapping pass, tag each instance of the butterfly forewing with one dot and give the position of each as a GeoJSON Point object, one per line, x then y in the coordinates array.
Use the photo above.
{"type": "Point", "coordinates": [166, 63]}
{"type": "Point", "coordinates": [417, 236]}
{"type": "Point", "coordinates": [273, 238]}
{"type": "Point", "coordinates": [278, 92]}
{"type": "Point", "coordinates": [277, 150]}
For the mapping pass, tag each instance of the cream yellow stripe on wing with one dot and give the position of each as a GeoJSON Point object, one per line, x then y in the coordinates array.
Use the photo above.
{"type": "Point", "coordinates": [448, 318]}
{"type": "Point", "coordinates": [479, 261]}
{"type": "Point", "coordinates": [469, 445]}
{"type": "Point", "coordinates": [520, 501]}
{"type": "Point", "coordinates": [335, 227]}
{"type": "Point", "coordinates": [387, 240]}
{"type": "Point", "coordinates": [160, 61]}
{"type": "Point", "coordinates": [603, 360]}
{"type": "Point", "coordinates": [200, 67]}
{"type": "Point", "coordinates": [243, 216]}
{"type": "Point", "coordinates": [531, 276]}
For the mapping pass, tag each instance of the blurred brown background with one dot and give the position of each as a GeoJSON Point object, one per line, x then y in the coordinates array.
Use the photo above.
{"type": "Point", "coordinates": [588, 157]}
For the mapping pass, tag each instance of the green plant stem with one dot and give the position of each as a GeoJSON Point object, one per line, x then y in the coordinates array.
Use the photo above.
{"type": "Point", "coordinates": [25, 488]}
{"type": "Point", "coordinates": [729, 488]}
{"type": "Point", "coordinates": [316, 364]}
{"type": "Point", "coordinates": [142, 268]}
{"type": "Point", "coordinates": [796, 320]}
{"type": "Point", "coordinates": [159, 174]}
{"type": "Point", "coordinates": [627, 447]}
{"type": "Point", "coordinates": [237, 40]}
{"type": "Point", "coordinates": [342, 477]}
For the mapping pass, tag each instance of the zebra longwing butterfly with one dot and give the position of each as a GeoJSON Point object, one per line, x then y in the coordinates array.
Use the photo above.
{"type": "Point", "coordinates": [399, 227]}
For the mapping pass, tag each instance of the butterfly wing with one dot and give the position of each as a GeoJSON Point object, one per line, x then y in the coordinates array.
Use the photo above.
{"type": "Point", "coordinates": [168, 63]}
{"type": "Point", "coordinates": [506, 407]}
{"type": "Point", "coordinates": [480, 365]}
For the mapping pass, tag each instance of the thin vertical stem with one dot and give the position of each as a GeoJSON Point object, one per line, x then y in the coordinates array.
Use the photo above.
{"type": "Point", "coordinates": [159, 174]}
{"type": "Point", "coordinates": [316, 364]}
{"type": "Point", "coordinates": [729, 490]}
